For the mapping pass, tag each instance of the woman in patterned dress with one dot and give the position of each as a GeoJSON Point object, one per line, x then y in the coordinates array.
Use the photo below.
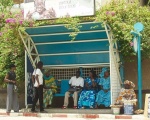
{"type": "Point", "coordinates": [88, 95]}
{"type": "Point", "coordinates": [103, 96]}
{"type": "Point", "coordinates": [50, 89]}
{"type": "Point", "coordinates": [126, 93]}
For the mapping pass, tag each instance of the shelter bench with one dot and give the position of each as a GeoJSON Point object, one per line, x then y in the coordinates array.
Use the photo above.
{"type": "Point", "coordinates": [58, 98]}
{"type": "Point", "coordinates": [64, 86]}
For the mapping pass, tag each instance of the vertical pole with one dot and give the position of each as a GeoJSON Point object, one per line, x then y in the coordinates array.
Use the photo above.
{"type": "Point", "coordinates": [81, 71]}
{"type": "Point", "coordinates": [26, 104]}
{"type": "Point", "coordinates": [139, 74]}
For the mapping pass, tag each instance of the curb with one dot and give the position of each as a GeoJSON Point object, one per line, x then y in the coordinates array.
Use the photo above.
{"type": "Point", "coordinates": [64, 115]}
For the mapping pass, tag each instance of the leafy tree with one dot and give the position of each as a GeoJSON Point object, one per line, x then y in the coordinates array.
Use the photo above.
{"type": "Point", "coordinates": [11, 46]}
{"type": "Point", "coordinates": [6, 3]}
{"type": "Point", "coordinates": [121, 16]}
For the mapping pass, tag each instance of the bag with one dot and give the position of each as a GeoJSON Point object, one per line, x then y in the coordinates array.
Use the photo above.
{"type": "Point", "coordinates": [15, 88]}
{"type": "Point", "coordinates": [33, 77]}
{"type": "Point", "coordinates": [72, 89]}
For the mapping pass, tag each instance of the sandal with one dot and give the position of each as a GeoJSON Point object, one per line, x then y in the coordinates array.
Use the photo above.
{"type": "Point", "coordinates": [91, 107]}
{"type": "Point", "coordinates": [64, 107]}
{"type": "Point", "coordinates": [75, 107]}
{"type": "Point", "coordinates": [139, 111]}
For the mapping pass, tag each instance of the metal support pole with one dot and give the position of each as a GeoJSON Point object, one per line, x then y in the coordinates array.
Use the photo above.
{"type": "Point", "coordinates": [138, 27]}
{"type": "Point", "coordinates": [81, 71]}
{"type": "Point", "coordinates": [139, 74]}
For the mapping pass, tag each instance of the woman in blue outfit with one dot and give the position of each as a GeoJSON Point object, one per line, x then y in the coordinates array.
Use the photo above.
{"type": "Point", "coordinates": [88, 95]}
{"type": "Point", "coordinates": [103, 96]}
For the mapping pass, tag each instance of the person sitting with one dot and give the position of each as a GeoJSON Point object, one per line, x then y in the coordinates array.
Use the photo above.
{"type": "Point", "coordinates": [126, 93]}
{"type": "Point", "coordinates": [50, 88]}
{"type": "Point", "coordinates": [87, 96]}
{"type": "Point", "coordinates": [76, 84]}
{"type": "Point", "coordinates": [103, 96]}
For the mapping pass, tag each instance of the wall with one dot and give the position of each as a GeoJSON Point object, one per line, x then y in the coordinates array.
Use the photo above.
{"type": "Point", "coordinates": [131, 74]}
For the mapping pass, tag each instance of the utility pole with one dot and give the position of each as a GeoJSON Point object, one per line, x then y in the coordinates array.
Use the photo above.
{"type": "Point", "coordinates": [138, 27]}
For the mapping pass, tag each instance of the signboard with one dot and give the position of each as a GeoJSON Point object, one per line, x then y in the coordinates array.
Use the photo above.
{"type": "Point", "coordinates": [135, 43]}
{"type": "Point", "coordinates": [50, 9]}
{"type": "Point", "coordinates": [147, 106]}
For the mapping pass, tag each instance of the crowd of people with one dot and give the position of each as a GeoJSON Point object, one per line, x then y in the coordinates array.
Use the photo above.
{"type": "Point", "coordinates": [92, 92]}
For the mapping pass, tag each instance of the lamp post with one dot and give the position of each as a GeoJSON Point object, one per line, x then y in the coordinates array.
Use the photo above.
{"type": "Point", "coordinates": [138, 27]}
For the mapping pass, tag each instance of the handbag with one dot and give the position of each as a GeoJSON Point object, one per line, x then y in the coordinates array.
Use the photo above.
{"type": "Point", "coordinates": [15, 88]}
{"type": "Point", "coordinates": [72, 89]}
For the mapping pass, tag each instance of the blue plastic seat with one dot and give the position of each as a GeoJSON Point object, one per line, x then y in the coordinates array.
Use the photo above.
{"type": "Point", "coordinates": [64, 86]}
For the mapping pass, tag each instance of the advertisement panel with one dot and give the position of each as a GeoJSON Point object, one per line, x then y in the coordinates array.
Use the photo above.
{"type": "Point", "coordinates": [50, 9]}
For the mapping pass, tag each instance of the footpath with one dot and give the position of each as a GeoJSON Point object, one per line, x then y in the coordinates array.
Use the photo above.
{"type": "Point", "coordinates": [76, 114]}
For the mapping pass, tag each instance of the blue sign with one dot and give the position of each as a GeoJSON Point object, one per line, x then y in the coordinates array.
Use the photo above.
{"type": "Point", "coordinates": [138, 27]}
{"type": "Point", "coordinates": [135, 44]}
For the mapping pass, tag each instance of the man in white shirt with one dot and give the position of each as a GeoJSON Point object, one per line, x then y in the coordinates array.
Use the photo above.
{"type": "Point", "coordinates": [38, 87]}
{"type": "Point", "coordinates": [33, 81]}
{"type": "Point", "coordinates": [77, 83]}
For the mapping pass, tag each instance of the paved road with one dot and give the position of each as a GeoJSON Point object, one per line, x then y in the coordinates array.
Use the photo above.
{"type": "Point", "coordinates": [39, 118]}
{"type": "Point", "coordinates": [48, 118]}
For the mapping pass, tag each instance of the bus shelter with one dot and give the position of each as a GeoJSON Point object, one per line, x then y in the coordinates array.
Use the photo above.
{"type": "Point", "coordinates": [93, 48]}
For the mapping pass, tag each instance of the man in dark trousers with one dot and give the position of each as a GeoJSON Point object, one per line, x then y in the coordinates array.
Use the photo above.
{"type": "Point", "coordinates": [38, 87]}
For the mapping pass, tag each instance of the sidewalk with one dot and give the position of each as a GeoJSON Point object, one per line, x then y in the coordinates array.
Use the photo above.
{"type": "Point", "coordinates": [76, 114]}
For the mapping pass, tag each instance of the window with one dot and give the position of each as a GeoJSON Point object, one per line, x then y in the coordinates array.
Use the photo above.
{"type": "Point", "coordinates": [67, 73]}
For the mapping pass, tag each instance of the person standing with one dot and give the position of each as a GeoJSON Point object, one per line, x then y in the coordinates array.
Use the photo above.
{"type": "Point", "coordinates": [33, 81]}
{"type": "Point", "coordinates": [38, 87]}
{"type": "Point", "coordinates": [76, 82]}
{"type": "Point", "coordinates": [12, 97]}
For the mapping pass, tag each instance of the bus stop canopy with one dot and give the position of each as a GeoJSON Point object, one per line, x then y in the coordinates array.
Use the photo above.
{"type": "Point", "coordinates": [52, 45]}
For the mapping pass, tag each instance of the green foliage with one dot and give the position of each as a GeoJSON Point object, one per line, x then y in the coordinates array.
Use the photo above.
{"type": "Point", "coordinates": [73, 25]}
{"type": "Point", "coordinates": [11, 47]}
{"type": "Point", "coordinates": [149, 3]}
{"type": "Point", "coordinates": [121, 17]}
{"type": "Point", "coordinates": [5, 3]}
